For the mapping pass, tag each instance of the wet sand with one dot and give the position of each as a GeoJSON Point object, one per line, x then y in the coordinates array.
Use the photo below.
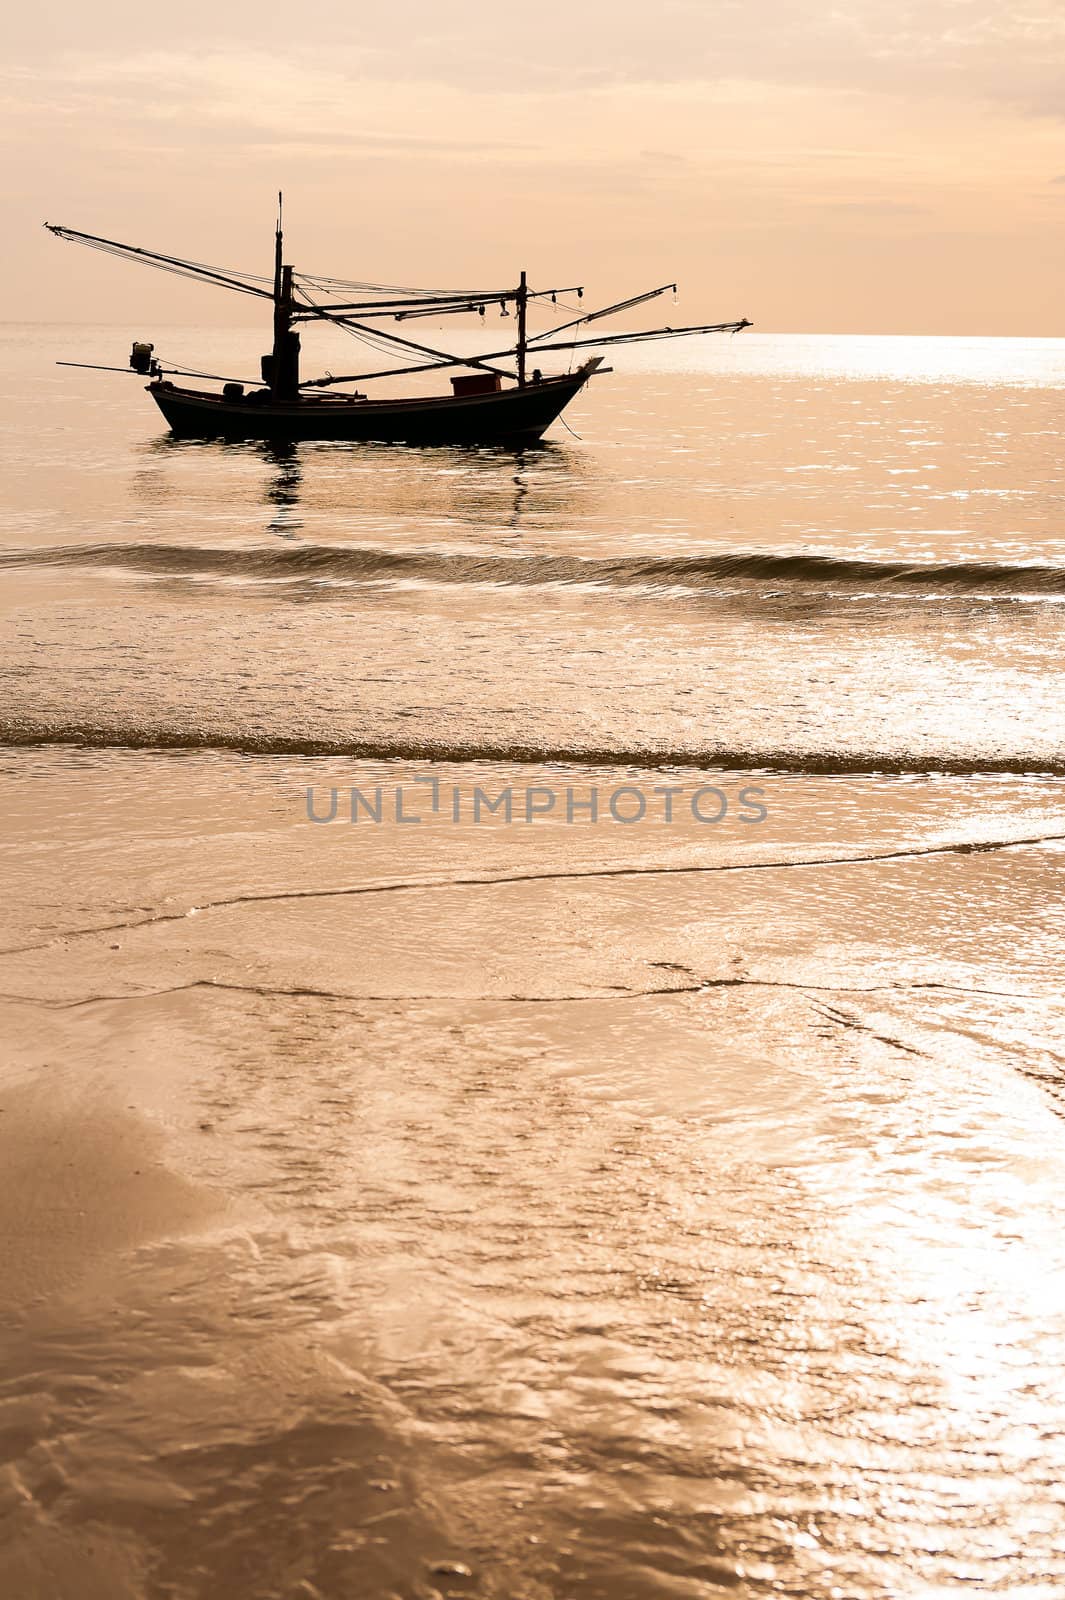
{"type": "Point", "coordinates": [527, 1211]}
{"type": "Point", "coordinates": [83, 1180]}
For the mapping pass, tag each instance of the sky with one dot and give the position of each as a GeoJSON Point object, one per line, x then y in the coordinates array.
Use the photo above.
{"type": "Point", "coordinates": [865, 167]}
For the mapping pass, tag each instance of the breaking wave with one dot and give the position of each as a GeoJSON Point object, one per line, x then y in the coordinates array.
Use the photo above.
{"type": "Point", "coordinates": [23, 733]}
{"type": "Point", "coordinates": [362, 564]}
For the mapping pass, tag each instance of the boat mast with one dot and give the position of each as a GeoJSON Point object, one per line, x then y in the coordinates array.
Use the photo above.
{"type": "Point", "coordinates": [523, 344]}
{"type": "Point", "coordinates": [284, 363]}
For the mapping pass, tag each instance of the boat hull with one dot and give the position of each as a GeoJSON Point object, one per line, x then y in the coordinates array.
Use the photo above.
{"type": "Point", "coordinates": [509, 416]}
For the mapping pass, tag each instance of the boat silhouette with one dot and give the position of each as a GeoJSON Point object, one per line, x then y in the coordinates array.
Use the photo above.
{"type": "Point", "coordinates": [500, 397]}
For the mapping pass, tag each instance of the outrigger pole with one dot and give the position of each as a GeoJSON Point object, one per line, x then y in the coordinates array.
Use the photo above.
{"type": "Point", "coordinates": [535, 347]}
{"type": "Point", "coordinates": [525, 343]}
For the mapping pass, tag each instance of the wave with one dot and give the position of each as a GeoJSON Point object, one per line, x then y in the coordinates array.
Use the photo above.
{"type": "Point", "coordinates": [326, 563]}
{"type": "Point", "coordinates": [825, 763]}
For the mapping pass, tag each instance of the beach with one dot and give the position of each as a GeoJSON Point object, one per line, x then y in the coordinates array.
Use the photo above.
{"type": "Point", "coordinates": [532, 1000]}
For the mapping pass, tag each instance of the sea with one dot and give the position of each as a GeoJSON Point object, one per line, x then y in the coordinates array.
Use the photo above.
{"type": "Point", "coordinates": [588, 918]}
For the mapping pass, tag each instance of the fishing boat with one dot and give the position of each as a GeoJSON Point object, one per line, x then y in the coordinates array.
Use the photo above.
{"type": "Point", "coordinates": [499, 396]}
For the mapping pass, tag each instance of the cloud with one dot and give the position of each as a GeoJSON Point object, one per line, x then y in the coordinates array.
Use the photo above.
{"type": "Point", "coordinates": [1014, 53]}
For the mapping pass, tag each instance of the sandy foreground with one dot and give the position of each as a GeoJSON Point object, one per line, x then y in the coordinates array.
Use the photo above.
{"type": "Point", "coordinates": [528, 1210]}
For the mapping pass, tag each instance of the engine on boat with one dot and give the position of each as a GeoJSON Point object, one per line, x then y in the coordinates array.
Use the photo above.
{"type": "Point", "coordinates": [140, 357]}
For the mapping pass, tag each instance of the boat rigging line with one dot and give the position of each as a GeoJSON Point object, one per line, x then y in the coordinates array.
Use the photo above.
{"type": "Point", "coordinates": [443, 358]}
{"type": "Point", "coordinates": [242, 282]}
{"type": "Point", "coordinates": [294, 301]}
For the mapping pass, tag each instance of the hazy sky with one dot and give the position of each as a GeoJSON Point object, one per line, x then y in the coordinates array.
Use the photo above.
{"type": "Point", "coordinates": [865, 166]}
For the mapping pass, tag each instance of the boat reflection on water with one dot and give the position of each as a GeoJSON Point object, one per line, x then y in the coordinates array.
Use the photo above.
{"type": "Point", "coordinates": [393, 493]}
{"type": "Point", "coordinates": [283, 491]}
